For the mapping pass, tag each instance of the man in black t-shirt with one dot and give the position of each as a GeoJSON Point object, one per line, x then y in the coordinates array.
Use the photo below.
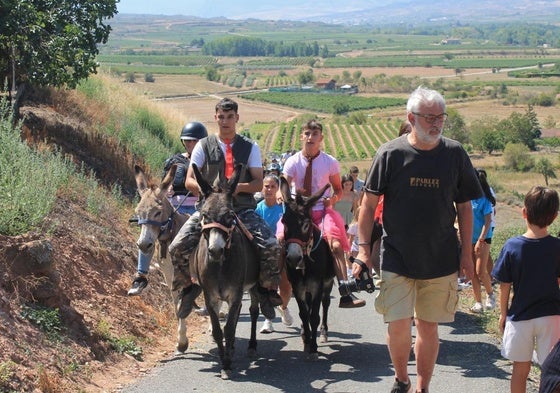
{"type": "Point", "coordinates": [427, 181]}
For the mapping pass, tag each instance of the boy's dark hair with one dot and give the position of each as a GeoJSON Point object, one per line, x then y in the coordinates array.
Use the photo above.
{"type": "Point", "coordinates": [313, 125]}
{"type": "Point", "coordinates": [227, 104]}
{"type": "Point", "coordinates": [541, 206]}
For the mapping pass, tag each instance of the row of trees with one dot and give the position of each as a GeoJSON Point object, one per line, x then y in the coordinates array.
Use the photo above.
{"type": "Point", "coordinates": [248, 46]}
{"type": "Point", "coordinates": [528, 34]}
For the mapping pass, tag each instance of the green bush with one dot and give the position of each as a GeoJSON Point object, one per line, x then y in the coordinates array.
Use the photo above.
{"type": "Point", "coordinates": [46, 319]}
{"type": "Point", "coordinates": [29, 180]}
{"type": "Point", "coordinates": [516, 157]}
{"type": "Point", "coordinates": [7, 371]}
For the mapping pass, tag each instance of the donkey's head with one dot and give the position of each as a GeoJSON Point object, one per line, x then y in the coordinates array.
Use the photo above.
{"type": "Point", "coordinates": [154, 212]}
{"type": "Point", "coordinates": [217, 216]}
{"type": "Point", "coordinates": [298, 224]}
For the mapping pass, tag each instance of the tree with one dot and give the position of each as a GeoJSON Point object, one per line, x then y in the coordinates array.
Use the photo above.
{"type": "Point", "coordinates": [356, 75]}
{"type": "Point", "coordinates": [520, 128]}
{"type": "Point", "coordinates": [535, 126]}
{"type": "Point", "coordinates": [52, 43]}
{"type": "Point", "coordinates": [516, 157]}
{"type": "Point", "coordinates": [455, 127]}
{"type": "Point", "coordinates": [545, 168]}
{"type": "Point", "coordinates": [340, 108]}
{"type": "Point", "coordinates": [212, 73]}
{"type": "Point", "coordinates": [486, 135]}
{"type": "Point", "coordinates": [305, 77]}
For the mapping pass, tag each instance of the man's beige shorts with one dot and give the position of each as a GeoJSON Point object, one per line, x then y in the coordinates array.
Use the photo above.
{"type": "Point", "coordinates": [433, 300]}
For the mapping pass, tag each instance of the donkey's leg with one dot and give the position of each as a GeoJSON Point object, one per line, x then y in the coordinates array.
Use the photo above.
{"type": "Point", "coordinates": [229, 334]}
{"type": "Point", "coordinates": [182, 339]}
{"type": "Point", "coordinates": [304, 316]}
{"type": "Point", "coordinates": [326, 302]}
{"type": "Point", "coordinates": [213, 307]}
{"type": "Point", "coordinates": [254, 312]}
{"type": "Point", "coordinates": [314, 319]}
{"type": "Point", "coordinates": [166, 268]}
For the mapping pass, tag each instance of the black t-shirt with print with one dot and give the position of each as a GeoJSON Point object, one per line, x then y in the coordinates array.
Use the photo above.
{"type": "Point", "coordinates": [421, 188]}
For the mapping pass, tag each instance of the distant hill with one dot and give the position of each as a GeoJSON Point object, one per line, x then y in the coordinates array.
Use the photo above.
{"type": "Point", "coordinates": [384, 12]}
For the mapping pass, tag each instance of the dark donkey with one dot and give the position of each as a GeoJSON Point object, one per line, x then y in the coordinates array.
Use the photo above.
{"type": "Point", "coordinates": [226, 264]}
{"type": "Point", "coordinates": [309, 265]}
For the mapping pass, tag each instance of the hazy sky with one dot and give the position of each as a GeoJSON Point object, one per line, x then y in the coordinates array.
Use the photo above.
{"type": "Point", "coordinates": [166, 7]}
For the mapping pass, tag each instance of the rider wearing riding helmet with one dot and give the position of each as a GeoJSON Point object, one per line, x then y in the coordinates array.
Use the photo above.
{"type": "Point", "coordinates": [274, 169]}
{"type": "Point", "coordinates": [182, 200]}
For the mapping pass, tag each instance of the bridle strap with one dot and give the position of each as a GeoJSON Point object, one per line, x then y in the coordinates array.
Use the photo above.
{"type": "Point", "coordinates": [226, 230]}
{"type": "Point", "coordinates": [305, 244]}
{"type": "Point", "coordinates": [164, 226]}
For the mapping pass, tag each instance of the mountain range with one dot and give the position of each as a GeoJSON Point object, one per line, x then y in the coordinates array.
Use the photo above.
{"type": "Point", "coordinates": [360, 11]}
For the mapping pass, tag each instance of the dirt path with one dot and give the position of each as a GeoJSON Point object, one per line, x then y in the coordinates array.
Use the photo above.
{"type": "Point", "coordinates": [365, 134]}
{"type": "Point", "coordinates": [349, 130]}
{"type": "Point", "coordinates": [331, 143]}
{"type": "Point", "coordinates": [338, 134]}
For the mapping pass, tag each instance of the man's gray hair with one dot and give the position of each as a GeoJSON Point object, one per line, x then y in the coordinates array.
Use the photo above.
{"type": "Point", "coordinates": [424, 97]}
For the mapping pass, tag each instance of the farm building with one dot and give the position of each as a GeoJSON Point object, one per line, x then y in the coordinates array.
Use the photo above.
{"type": "Point", "coordinates": [327, 84]}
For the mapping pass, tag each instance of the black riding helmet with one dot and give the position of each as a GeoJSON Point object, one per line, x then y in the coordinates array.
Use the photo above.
{"type": "Point", "coordinates": [193, 131]}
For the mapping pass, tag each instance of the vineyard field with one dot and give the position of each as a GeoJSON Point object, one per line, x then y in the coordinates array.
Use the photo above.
{"type": "Point", "coordinates": [345, 142]}
{"type": "Point", "coordinates": [324, 102]}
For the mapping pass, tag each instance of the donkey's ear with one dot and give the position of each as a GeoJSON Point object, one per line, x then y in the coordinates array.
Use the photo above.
{"type": "Point", "coordinates": [168, 179]}
{"type": "Point", "coordinates": [141, 182]}
{"type": "Point", "coordinates": [285, 189]}
{"type": "Point", "coordinates": [205, 188]}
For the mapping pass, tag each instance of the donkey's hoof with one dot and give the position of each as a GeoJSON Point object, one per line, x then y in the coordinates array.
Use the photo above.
{"type": "Point", "coordinates": [226, 374]}
{"type": "Point", "coordinates": [323, 338]}
{"type": "Point", "coordinates": [181, 348]}
{"type": "Point", "coordinates": [313, 357]}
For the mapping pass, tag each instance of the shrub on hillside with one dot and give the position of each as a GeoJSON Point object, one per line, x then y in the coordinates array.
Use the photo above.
{"type": "Point", "coordinates": [516, 157]}
{"type": "Point", "coordinates": [29, 180]}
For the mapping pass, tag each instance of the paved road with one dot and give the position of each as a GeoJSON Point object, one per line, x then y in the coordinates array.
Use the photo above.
{"type": "Point", "coordinates": [354, 360]}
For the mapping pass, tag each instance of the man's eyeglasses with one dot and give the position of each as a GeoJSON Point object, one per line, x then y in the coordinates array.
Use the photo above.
{"type": "Point", "coordinates": [432, 118]}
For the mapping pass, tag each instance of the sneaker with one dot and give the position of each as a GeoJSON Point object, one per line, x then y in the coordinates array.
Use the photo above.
{"type": "Point", "coordinates": [401, 387]}
{"type": "Point", "coordinates": [185, 300]}
{"type": "Point", "coordinates": [477, 308]}
{"type": "Point", "coordinates": [140, 282]}
{"type": "Point", "coordinates": [490, 301]}
{"type": "Point", "coordinates": [463, 285]}
{"type": "Point", "coordinates": [286, 316]}
{"type": "Point", "coordinates": [351, 301]}
{"type": "Point", "coordinates": [267, 327]}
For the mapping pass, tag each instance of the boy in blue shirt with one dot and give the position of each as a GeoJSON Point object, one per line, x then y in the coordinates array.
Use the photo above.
{"type": "Point", "coordinates": [531, 263]}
